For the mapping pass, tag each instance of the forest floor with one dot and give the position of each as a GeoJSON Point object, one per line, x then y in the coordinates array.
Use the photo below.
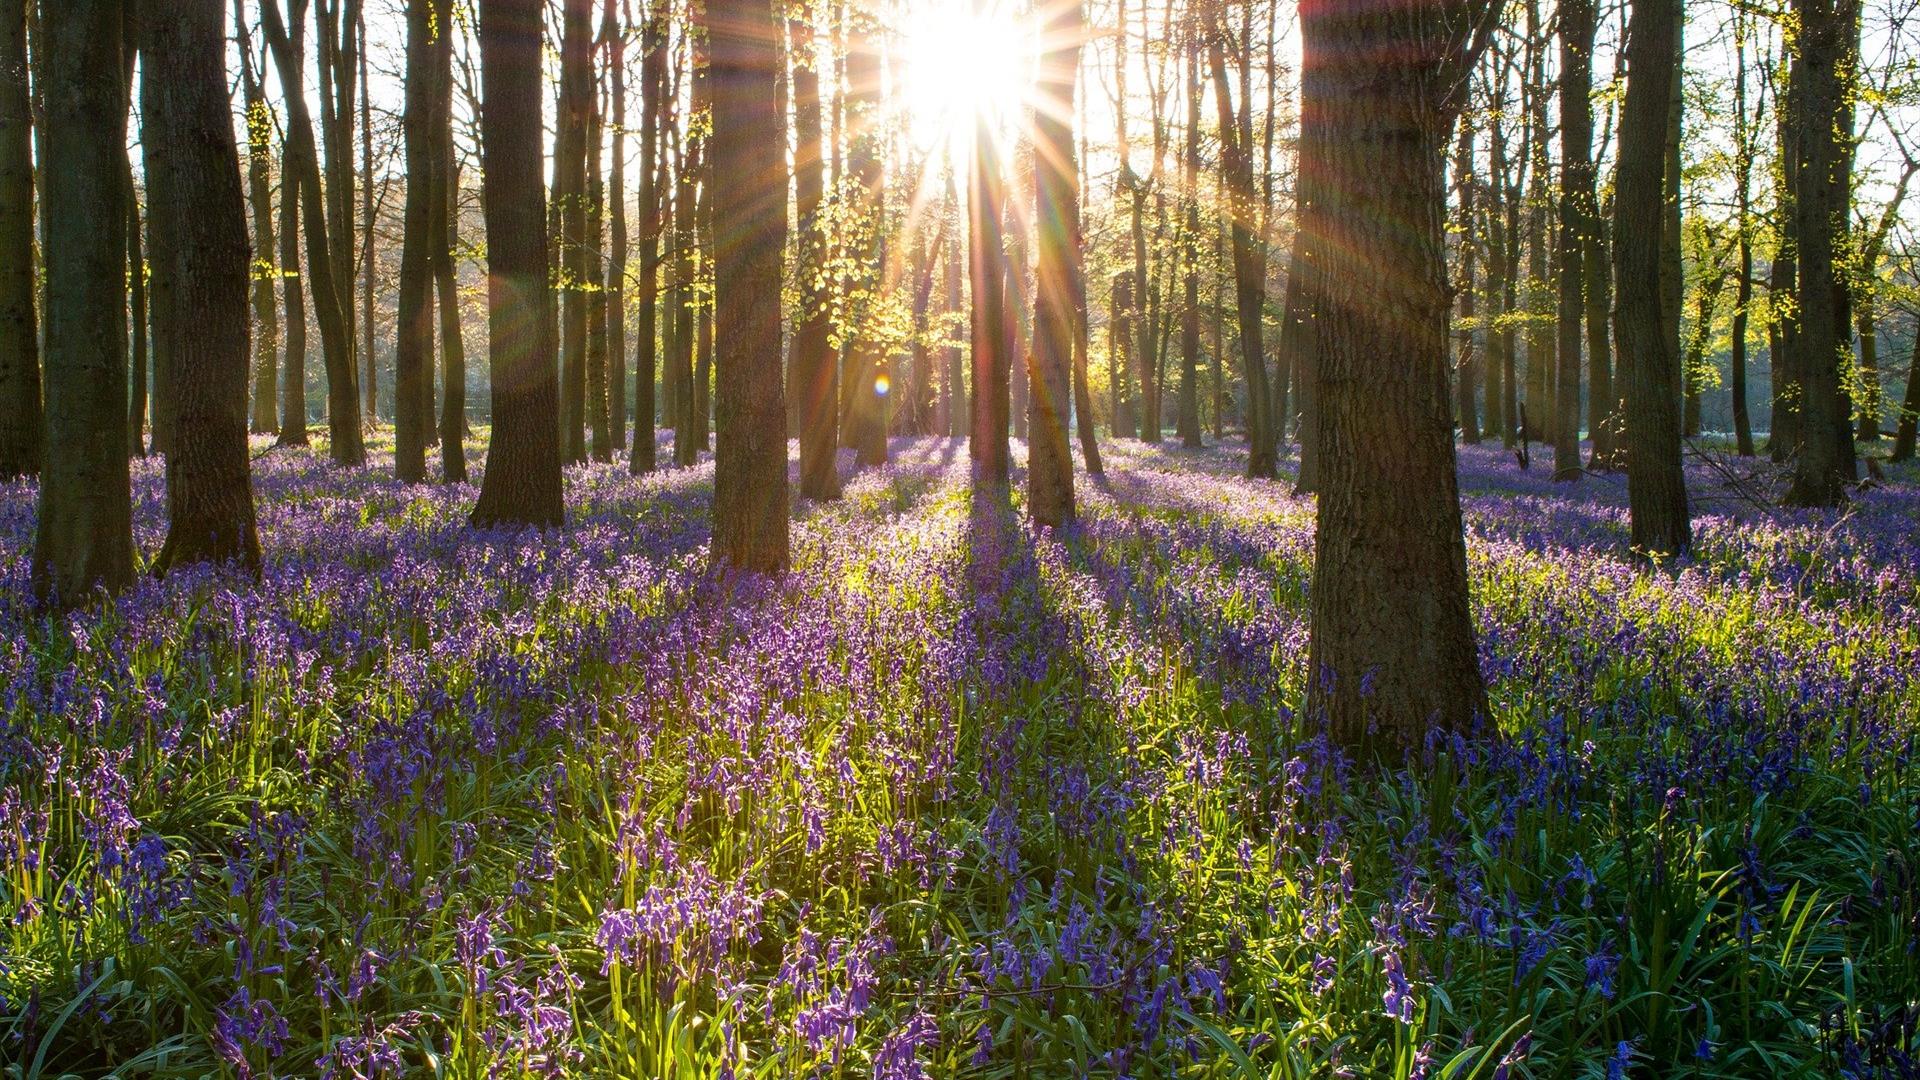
{"type": "Point", "coordinates": [957, 799]}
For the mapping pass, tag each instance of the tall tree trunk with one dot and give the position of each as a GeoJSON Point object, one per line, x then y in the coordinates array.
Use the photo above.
{"type": "Point", "coordinates": [266, 339]}
{"type": "Point", "coordinates": [866, 356]}
{"type": "Point", "coordinates": [593, 256]}
{"type": "Point", "coordinates": [653, 78]}
{"type": "Point", "coordinates": [1017, 237]}
{"type": "Point", "coordinates": [1904, 436]}
{"type": "Point", "coordinates": [1577, 215]}
{"type": "Point", "coordinates": [1706, 306]}
{"type": "Point", "coordinates": [1058, 291]}
{"type": "Point", "coordinates": [1501, 393]}
{"type": "Point", "coordinates": [953, 388]}
{"type": "Point", "coordinates": [1538, 297]}
{"type": "Point", "coordinates": [413, 335]}
{"type": "Point", "coordinates": [987, 273]}
{"type": "Point", "coordinates": [83, 535]}
{"type": "Point", "coordinates": [816, 377]}
{"type": "Point", "coordinates": [1392, 647]}
{"type": "Point", "coordinates": [613, 29]}
{"type": "Point", "coordinates": [1466, 388]}
{"type": "Point", "coordinates": [293, 372]}
{"type": "Point", "coordinates": [209, 492]}
{"type": "Point", "coordinates": [570, 191]}
{"type": "Point", "coordinates": [1823, 122]}
{"type": "Point", "coordinates": [1656, 487]}
{"type": "Point", "coordinates": [750, 505]}
{"type": "Point", "coordinates": [22, 434]}
{"type": "Point", "coordinates": [336, 334]}
{"type": "Point", "coordinates": [161, 244]}
{"type": "Point", "coordinates": [1672, 269]}
{"type": "Point", "coordinates": [522, 483]}
{"type": "Point", "coordinates": [1783, 330]}
{"type": "Point", "coordinates": [1186, 421]}
{"type": "Point", "coordinates": [137, 316]}
{"type": "Point", "coordinates": [441, 241]}
{"type": "Point", "coordinates": [1250, 268]}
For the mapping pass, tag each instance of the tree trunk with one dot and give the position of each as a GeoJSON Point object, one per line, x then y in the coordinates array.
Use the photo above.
{"type": "Point", "coordinates": [1823, 123]}
{"type": "Point", "coordinates": [750, 505]}
{"type": "Point", "coordinates": [1538, 297]}
{"type": "Point", "coordinates": [22, 435]}
{"type": "Point", "coordinates": [1250, 267]}
{"type": "Point", "coordinates": [522, 484]}
{"type": "Point", "coordinates": [266, 339]}
{"type": "Point", "coordinates": [816, 377]}
{"type": "Point", "coordinates": [1576, 217]}
{"type": "Point", "coordinates": [1672, 276]}
{"type": "Point", "coordinates": [293, 373]}
{"type": "Point", "coordinates": [1058, 291]}
{"type": "Point", "coordinates": [953, 388]}
{"type": "Point", "coordinates": [613, 29]}
{"type": "Point", "coordinates": [1466, 389]}
{"type": "Point", "coordinates": [336, 334]}
{"type": "Point", "coordinates": [413, 334]}
{"type": "Point", "coordinates": [441, 242]}
{"type": "Point", "coordinates": [1392, 651]}
{"type": "Point", "coordinates": [137, 320]}
{"type": "Point", "coordinates": [866, 357]}
{"type": "Point", "coordinates": [987, 273]}
{"type": "Point", "coordinates": [83, 535]}
{"type": "Point", "coordinates": [1501, 394]}
{"type": "Point", "coordinates": [1186, 421]}
{"type": "Point", "coordinates": [593, 257]}
{"type": "Point", "coordinates": [653, 78]}
{"type": "Point", "coordinates": [209, 493]}
{"type": "Point", "coordinates": [1903, 438]}
{"type": "Point", "coordinates": [1656, 487]}
{"type": "Point", "coordinates": [570, 191]}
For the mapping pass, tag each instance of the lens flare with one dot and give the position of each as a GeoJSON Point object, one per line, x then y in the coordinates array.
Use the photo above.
{"type": "Point", "coordinates": [882, 384]}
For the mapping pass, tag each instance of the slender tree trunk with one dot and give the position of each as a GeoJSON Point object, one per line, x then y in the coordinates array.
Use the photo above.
{"type": "Point", "coordinates": [653, 77]}
{"type": "Point", "coordinates": [293, 373]}
{"type": "Point", "coordinates": [336, 333]}
{"type": "Point", "coordinates": [209, 493]}
{"type": "Point", "coordinates": [1576, 215]}
{"type": "Point", "coordinates": [750, 505]}
{"type": "Point", "coordinates": [1392, 652]}
{"type": "Point", "coordinates": [987, 273]}
{"type": "Point", "coordinates": [413, 336]}
{"type": "Point", "coordinates": [1656, 487]}
{"type": "Point", "coordinates": [266, 339]}
{"type": "Point", "coordinates": [1249, 269]}
{"type": "Point", "coordinates": [953, 388]}
{"type": "Point", "coordinates": [161, 244]}
{"type": "Point", "coordinates": [137, 320]}
{"type": "Point", "coordinates": [1706, 307]}
{"type": "Point", "coordinates": [613, 29]}
{"type": "Point", "coordinates": [570, 191]}
{"type": "Point", "coordinates": [22, 434]}
{"type": "Point", "coordinates": [1058, 290]}
{"type": "Point", "coordinates": [1904, 436]}
{"type": "Point", "coordinates": [816, 377]}
{"type": "Point", "coordinates": [866, 357]}
{"type": "Point", "coordinates": [1187, 411]}
{"type": "Point", "coordinates": [83, 535]}
{"type": "Point", "coordinates": [441, 242]}
{"type": "Point", "coordinates": [1501, 393]}
{"type": "Point", "coordinates": [1538, 297]}
{"type": "Point", "coordinates": [593, 256]}
{"type": "Point", "coordinates": [522, 483]}
{"type": "Point", "coordinates": [1466, 389]}
{"type": "Point", "coordinates": [366, 252]}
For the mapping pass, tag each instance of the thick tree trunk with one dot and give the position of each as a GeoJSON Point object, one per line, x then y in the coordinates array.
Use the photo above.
{"type": "Point", "coordinates": [1823, 124]}
{"type": "Point", "coordinates": [413, 344]}
{"type": "Point", "coordinates": [336, 332]}
{"type": "Point", "coordinates": [209, 492]}
{"type": "Point", "coordinates": [750, 505]}
{"type": "Point", "coordinates": [522, 484]}
{"type": "Point", "coordinates": [653, 77]}
{"type": "Point", "coordinates": [22, 434]}
{"type": "Point", "coordinates": [1577, 214]}
{"type": "Point", "coordinates": [83, 535]}
{"type": "Point", "coordinates": [1392, 651]}
{"type": "Point", "coordinates": [1656, 487]}
{"type": "Point", "coordinates": [1058, 291]}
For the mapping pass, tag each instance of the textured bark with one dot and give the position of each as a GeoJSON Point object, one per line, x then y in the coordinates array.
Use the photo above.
{"type": "Point", "coordinates": [1903, 439]}
{"type": "Point", "coordinates": [1250, 267]}
{"type": "Point", "coordinates": [1672, 257]}
{"type": "Point", "coordinates": [22, 434]}
{"type": "Point", "coordinates": [1537, 298]}
{"type": "Point", "coordinates": [1656, 488]}
{"type": "Point", "coordinates": [816, 377]}
{"type": "Point", "coordinates": [593, 257]}
{"type": "Point", "coordinates": [1466, 388]}
{"type": "Point", "coordinates": [1576, 217]}
{"type": "Point", "coordinates": [1501, 393]}
{"type": "Point", "coordinates": [413, 344]}
{"type": "Point", "coordinates": [325, 274]}
{"type": "Point", "coordinates": [293, 372]}
{"type": "Point", "coordinates": [1392, 651]}
{"type": "Point", "coordinates": [161, 243]}
{"type": "Point", "coordinates": [522, 484]}
{"type": "Point", "coordinates": [83, 535]}
{"type": "Point", "coordinates": [647, 307]}
{"type": "Point", "coordinates": [266, 317]}
{"type": "Point", "coordinates": [1823, 123]}
{"type": "Point", "coordinates": [686, 450]}
{"type": "Point", "coordinates": [570, 192]}
{"type": "Point", "coordinates": [209, 492]}
{"type": "Point", "coordinates": [987, 274]}
{"type": "Point", "coordinates": [613, 31]}
{"type": "Point", "coordinates": [750, 506]}
{"type": "Point", "coordinates": [441, 241]}
{"type": "Point", "coordinates": [1058, 292]}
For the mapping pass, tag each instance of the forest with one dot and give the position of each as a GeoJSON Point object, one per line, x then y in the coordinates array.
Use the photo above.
{"type": "Point", "coordinates": [1000, 539]}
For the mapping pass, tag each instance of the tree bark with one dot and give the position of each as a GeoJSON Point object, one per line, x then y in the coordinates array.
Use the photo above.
{"type": "Point", "coordinates": [750, 506]}
{"type": "Point", "coordinates": [1577, 214]}
{"type": "Point", "coordinates": [1392, 652]}
{"type": "Point", "coordinates": [816, 377]}
{"type": "Point", "coordinates": [1466, 388]}
{"type": "Point", "coordinates": [593, 257]}
{"type": "Point", "coordinates": [1186, 421]}
{"type": "Point", "coordinates": [190, 120]}
{"type": "Point", "coordinates": [441, 242]}
{"type": "Point", "coordinates": [293, 372]}
{"type": "Point", "coordinates": [1656, 487]}
{"type": "Point", "coordinates": [987, 446]}
{"type": "Point", "coordinates": [22, 432]}
{"type": "Point", "coordinates": [413, 344]}
{"type": "Point", "coordinates": [613, 30]}
{"type": "Point", "coordinates": [83, 536]}
{"type": "Point", "coordinates": [570, 191]}
{"type": "Point", "coordinates": [1057, 294]}
{"type": "Point", "coordinates": [1250, 266]}
{"type": "Point", "coordinates": [266, 339]}
{"type": "Point", "coordinates": [653, 77]}
{"type": "Point", "coordinates": [522, 483]}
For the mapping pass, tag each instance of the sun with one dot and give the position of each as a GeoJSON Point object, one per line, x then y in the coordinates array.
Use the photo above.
{"type": "Point", "coordinates": [964, 63]}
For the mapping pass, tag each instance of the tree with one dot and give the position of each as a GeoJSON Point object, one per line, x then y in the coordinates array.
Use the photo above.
{"type": "Point", "coordinates": [266, 339]}
{"type": "Point", "coordinates": [522, 484]}
{"type": "Point", "coordinates": [83, 537]}
{"type": "Point", "coordinates": [1466, 370]}
{"type": "Point", "coordinates": [1392, 649]}
{"type": "Point", "coordinates": [440, 245]}
{"type": "Point", "coordinates": [293, 302]}
{"type": "Point", "coordinates": [1822, 110]}
{"type": "Point", "coordinates": [1743, 155]}
{"type": "Point", "coordinates": [324, 271]}
{"type": "Point", "coordinates": [816, 379]}
{"type": "Point", "coordinates": [987, 273]}
{"type": "Point", "coordinates": [1186, 420]}
{"type": "Point", "coordinates": [21, 420]}
{"type": "Point", "coordinates": [1577, 215]}
{"type": "Point", "coordinates": [750, 456]}
{"type": "Point", "coordinates": [413, 346]}
{"type": "Point", "coordinates": [613, 31]}
{"type": "Point", "coordinates": [190, 122]}
{"type": "Point", "coordinates": [653, 79]}
{"type": "Point", "coordinates": [867, 364]}
{"type": "Point", "coordinates": [1057, 274]}
{"type": "Point", "coordinates": [1656, 487]}
{"type": "Point", "coordinates": [570, 192]}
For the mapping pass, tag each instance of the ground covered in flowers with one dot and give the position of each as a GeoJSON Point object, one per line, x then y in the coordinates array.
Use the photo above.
{"type": "Point", "coordinates": [953, 799]}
